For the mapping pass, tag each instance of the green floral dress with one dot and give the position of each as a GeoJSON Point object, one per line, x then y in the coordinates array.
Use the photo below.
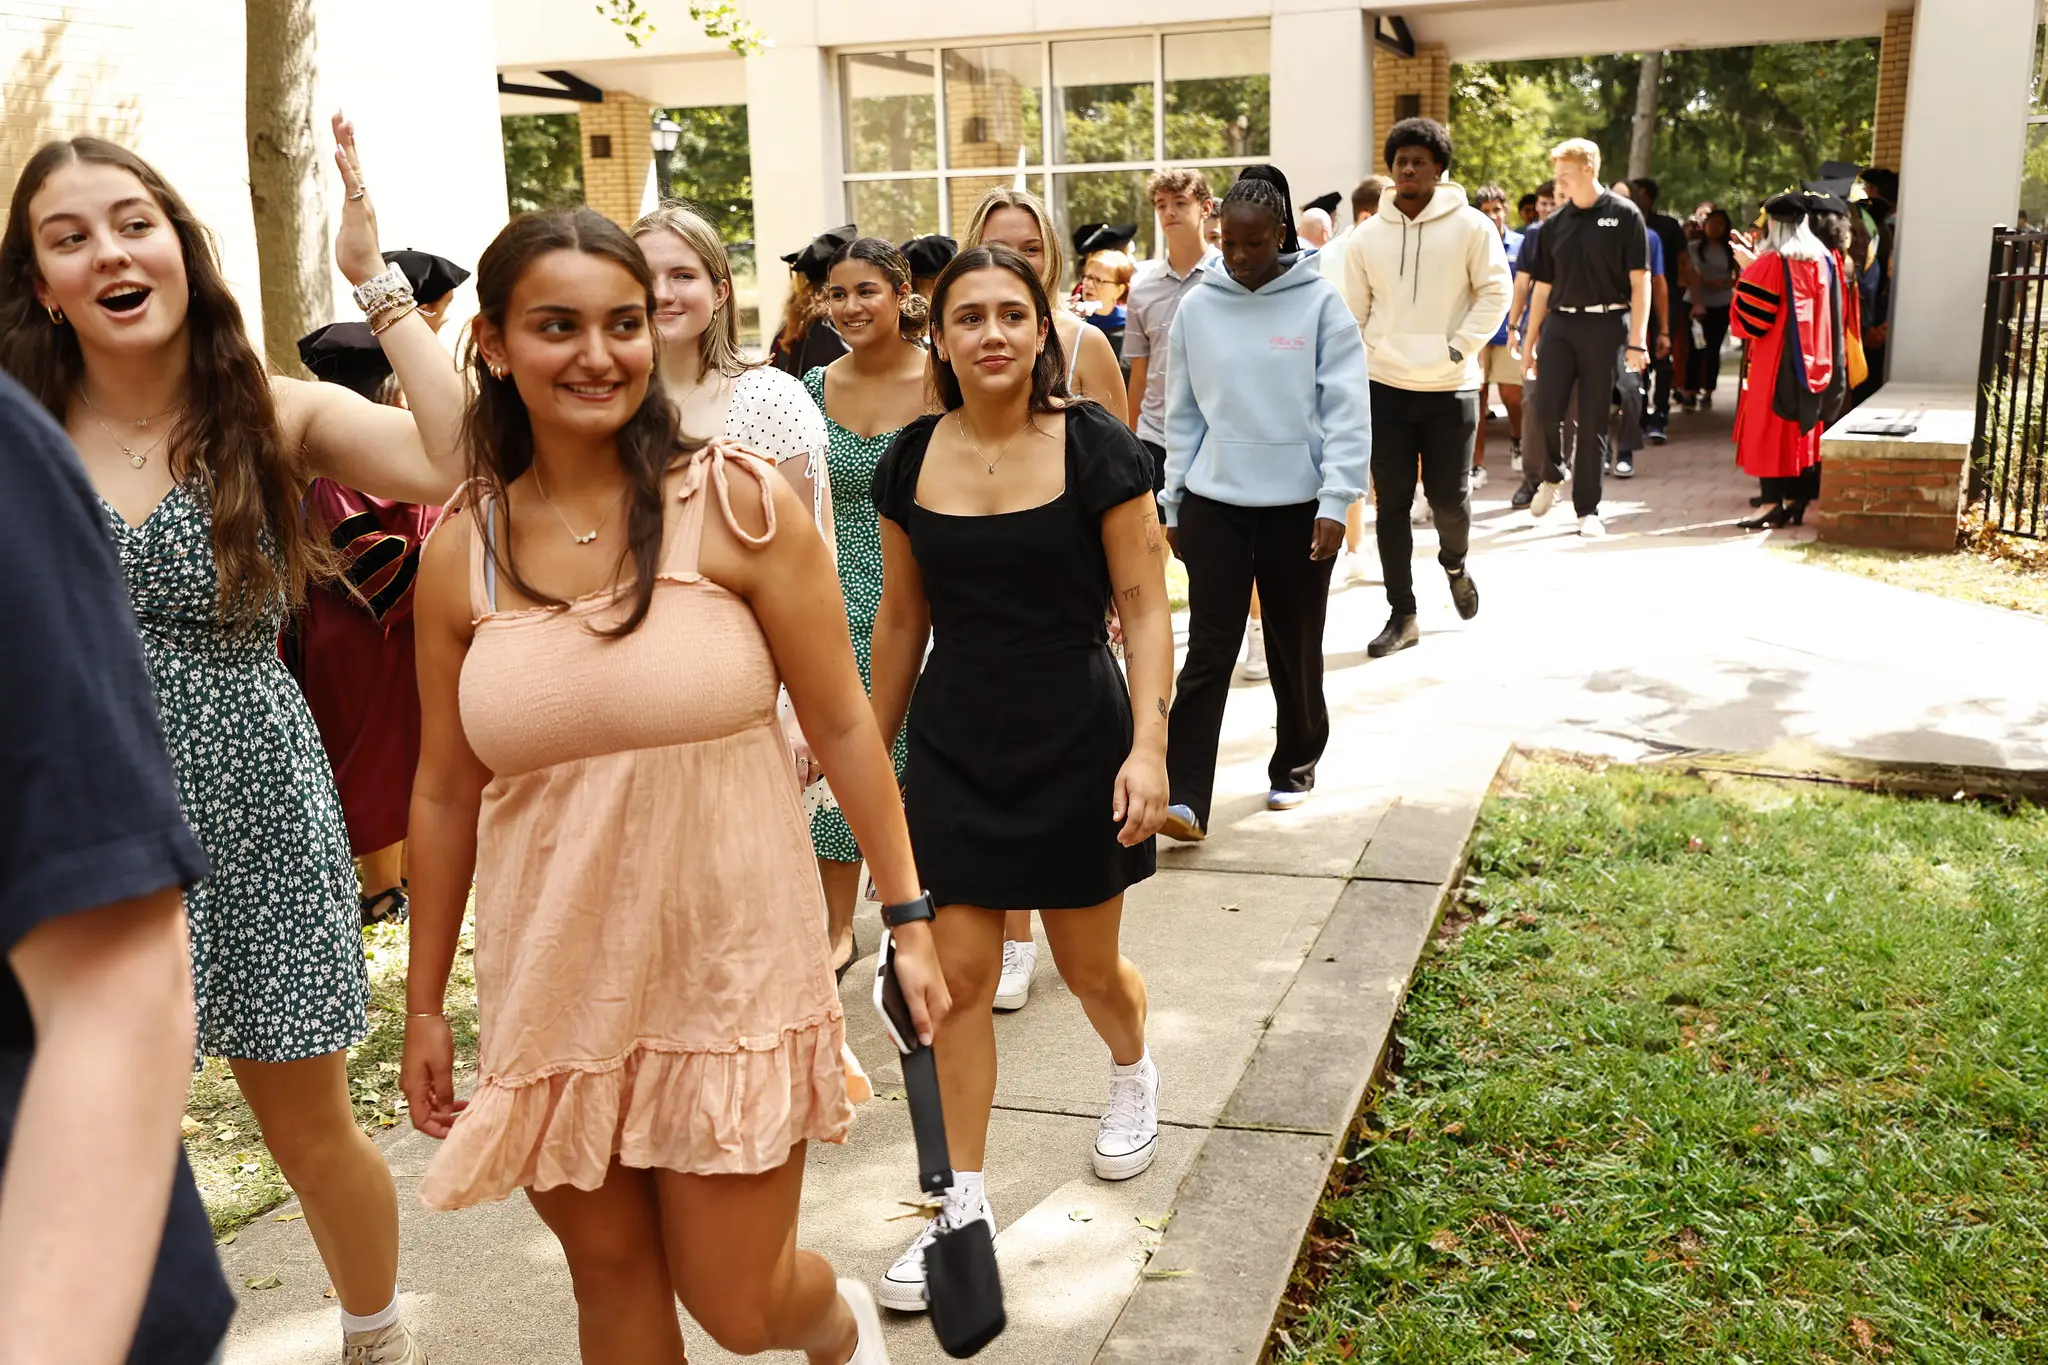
{"type": "Point", "coordinates": [277, 944]}
{"type": "Point", "coordinates": [850, 462]}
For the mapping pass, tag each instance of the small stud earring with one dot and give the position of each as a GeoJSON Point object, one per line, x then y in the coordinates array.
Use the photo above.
{"type": "Point", "coordinates": [56, 316]}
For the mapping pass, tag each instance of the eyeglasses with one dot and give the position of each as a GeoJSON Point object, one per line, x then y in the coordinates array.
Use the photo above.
{"type": "Point", "coordinates": [1103, 279]}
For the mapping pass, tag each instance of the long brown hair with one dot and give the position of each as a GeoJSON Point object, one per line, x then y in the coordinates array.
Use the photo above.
{"type": "Point", "coordinates": [1048, 373]}
{"type": "Point", "coordinates": [498, 431]}
{"type": "Point", "coordinates": [227, 436]}
{"type": "Point", "coordinates": [802, 306]}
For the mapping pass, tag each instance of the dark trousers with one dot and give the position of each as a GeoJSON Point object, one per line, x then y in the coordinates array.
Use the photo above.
{"type": "Point", "coordinates": [1706, 360]}
{"type": "Point", "coordinates": [1227, 550]}
{"type": "Point", "coordinates": [1583, 350]}
{"type": "Point", "coordinates": [1434, 430]}
{"type": "Point", "coordinates": [1631, 395]}
{"type": "Point", "coordinates": [1656, 383]}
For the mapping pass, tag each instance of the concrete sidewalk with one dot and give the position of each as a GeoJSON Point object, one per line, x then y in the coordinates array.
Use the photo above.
{"type": "Point", "coordinates": [1676, 632]}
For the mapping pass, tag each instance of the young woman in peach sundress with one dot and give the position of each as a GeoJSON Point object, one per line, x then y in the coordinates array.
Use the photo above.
{"type": "Point", "coordinates": [602, 630]}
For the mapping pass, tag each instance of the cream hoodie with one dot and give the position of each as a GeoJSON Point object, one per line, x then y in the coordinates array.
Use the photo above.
{"type": "Point", "coordinates": [1425, 288]}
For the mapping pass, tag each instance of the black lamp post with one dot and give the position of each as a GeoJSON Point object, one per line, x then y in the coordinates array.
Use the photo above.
{"type": "Point", "coordinates": [664, 137]}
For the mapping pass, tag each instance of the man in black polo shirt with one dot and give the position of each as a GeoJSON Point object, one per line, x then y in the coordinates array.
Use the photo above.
{"type": "Point", "coordinates": [105, 1249]}
{"type": "Point", "coordinates": [1591, 298]}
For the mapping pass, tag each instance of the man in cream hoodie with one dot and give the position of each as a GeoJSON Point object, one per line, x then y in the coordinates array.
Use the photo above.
{"type": "Point", "coordinates": [1428, 281]}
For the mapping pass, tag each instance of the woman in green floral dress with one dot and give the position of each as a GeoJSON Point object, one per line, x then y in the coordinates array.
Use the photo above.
{"type": "Point", "coordinates": [114, 313]}
{"type": "Point", "coordinates": [869, 394]}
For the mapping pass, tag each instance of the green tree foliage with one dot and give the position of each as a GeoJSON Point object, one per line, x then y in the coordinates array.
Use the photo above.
{"type": "Point", "coordinates": [1735, 124]}
{"type": "Point", "coordinates": [543, 162]}
{"type": "Point", "coordinates": [712, 167]}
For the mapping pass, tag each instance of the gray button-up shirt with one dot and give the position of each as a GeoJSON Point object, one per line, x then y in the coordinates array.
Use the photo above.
{"type": "Point", "coordinates": [1156, 293]}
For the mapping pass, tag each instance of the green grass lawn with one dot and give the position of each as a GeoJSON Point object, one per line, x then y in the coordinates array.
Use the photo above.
{"type": "Point", "coordinates": [236, 1176]}
{"type": "Point", "coordinates": [1962, 574]}
{"type": "Point", "coordinates": [1708, 1072]}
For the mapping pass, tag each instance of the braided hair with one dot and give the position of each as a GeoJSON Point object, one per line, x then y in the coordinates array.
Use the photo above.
{"type": "Point", "coordinates": [1270, 197]}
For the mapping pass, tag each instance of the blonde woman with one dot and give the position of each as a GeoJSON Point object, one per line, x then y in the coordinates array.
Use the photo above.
{"type": "Point", "coordinates": [1018, 220]}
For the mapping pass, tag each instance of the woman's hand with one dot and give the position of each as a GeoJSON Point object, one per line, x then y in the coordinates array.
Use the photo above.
{"type": "Point", "coordinates": [1141, 797]}
{"type": "Point", "coordinates": [356, 252]}
{"type": "Point", "coordinates": [427, 1073]}
{"type": "Point", "coordinates": [922, 980]}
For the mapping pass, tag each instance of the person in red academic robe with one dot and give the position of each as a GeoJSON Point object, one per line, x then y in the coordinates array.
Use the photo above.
{"type": "Point", "coordinates": [1788, 308]}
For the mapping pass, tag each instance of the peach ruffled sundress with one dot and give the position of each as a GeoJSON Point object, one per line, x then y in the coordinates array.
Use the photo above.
{"type": "Point", "coordinates": [651, 959]}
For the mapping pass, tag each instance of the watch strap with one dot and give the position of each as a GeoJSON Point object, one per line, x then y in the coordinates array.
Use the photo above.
{"type": "Point", "coordinates": [909, 912]}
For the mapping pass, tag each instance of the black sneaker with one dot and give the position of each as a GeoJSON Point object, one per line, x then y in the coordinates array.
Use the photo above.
{"type": "Point", "coordinates": [1523, 497]}
{"type": "Point", "coordinates": [1624, 468]}
{"type": "Point", "coordinates": [1400, 634]}
{"type": "Point", "coordinates": [1655, 435]}
{"type": "Point", "coordinates": [1465, 595]}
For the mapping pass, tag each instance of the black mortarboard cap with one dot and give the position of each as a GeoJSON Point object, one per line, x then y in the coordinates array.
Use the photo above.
{"type": "Point", "coordinates": [431, 276]}
{"type": "Point", "coordinates": [814, 262]}
{"type": "Point", "coordinates": [1828, 196]}
{"type": "Point", "coordinates": [1090, 238]}
{"type": "Point", "coordinates": [1326, 202]}
{"type": "Point", "coordinates": [1788, 207]}
{"type": "Point", "coordinates": [929, 254]}
{"type": "Point", "coordinates": [347, 353]}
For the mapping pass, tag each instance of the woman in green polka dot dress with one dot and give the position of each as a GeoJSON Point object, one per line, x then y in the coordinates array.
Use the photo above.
{"type": "Point", "coordinates": [867, 395]}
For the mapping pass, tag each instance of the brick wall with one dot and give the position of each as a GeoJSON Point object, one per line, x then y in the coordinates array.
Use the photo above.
{"type": "Point", "coordinates": [613, 184]}
{"type": "Point", "coordinates": [1894, 58]}
{"type": "Point", "coordinates": [1886, 497]}
{"type": "Point", "coordinates": [1427, 75]}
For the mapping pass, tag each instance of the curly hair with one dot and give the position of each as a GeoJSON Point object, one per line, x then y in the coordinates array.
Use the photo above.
{"type": "Point", "coordinates": [1425, 133]}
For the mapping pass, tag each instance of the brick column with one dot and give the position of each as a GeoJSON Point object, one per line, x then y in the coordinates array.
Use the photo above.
{"type": "Point", "coordinates": [616, 154]}
{"type": "Point", "coordinates": [1898, 492]}
{"type": "Point", "coordinates": [1425, 76]}
{"type": "Point", "coordinates": [1888, 126]}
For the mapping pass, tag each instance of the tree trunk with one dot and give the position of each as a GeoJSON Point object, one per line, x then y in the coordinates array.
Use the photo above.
{"type": "Point", "coordinates": [284, 178]}
{"type": "Point", "coordinates": [1643, 140]}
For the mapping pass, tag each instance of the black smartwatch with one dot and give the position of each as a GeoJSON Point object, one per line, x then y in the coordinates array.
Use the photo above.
{"type": "Point", "coordinates": [909, 912]}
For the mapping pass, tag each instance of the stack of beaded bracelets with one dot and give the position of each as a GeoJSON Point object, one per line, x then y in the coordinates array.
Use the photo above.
{"type": "Point", "coordinates": [385, 299]}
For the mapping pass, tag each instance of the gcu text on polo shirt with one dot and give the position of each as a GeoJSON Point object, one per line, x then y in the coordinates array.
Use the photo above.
{"type": "Point", "coordinates": [1585, 255]}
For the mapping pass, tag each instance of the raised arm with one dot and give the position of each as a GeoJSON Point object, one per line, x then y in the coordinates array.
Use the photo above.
{"type": "Point", "coordinates": [1134, 544]}
{"type": "Point", "coordinates": [447, 794]}
{"type": "Point", "coordinates": [407, 456]}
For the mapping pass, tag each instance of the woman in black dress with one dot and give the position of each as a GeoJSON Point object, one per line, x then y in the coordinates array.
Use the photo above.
{"type": "Point", "coordinates": [1007, 522]}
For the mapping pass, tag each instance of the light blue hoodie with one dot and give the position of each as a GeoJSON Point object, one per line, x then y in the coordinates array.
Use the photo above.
{"type": "Point", "coordinates": [1266, 400]}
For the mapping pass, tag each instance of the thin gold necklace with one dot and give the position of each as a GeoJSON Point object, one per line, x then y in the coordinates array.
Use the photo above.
{"type": "Point", "coordinates": [136, 458]}
{"type": "Point", "coordinates": [967, 430]}
{"type": "Point", "coordinates": [140, 422]}
{"type": "Point", "coordinates": [581, 538]}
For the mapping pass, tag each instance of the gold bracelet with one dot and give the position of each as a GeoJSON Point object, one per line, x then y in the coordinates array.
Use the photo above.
{"type": "Point", "coordinates": [385, 319]}
{"type": "Point", "coordinates": [437, 1014]}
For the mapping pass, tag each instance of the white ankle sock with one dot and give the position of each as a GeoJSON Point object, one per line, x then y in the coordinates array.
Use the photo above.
{"type": "Point", "coordinates": [1134, 1068]}
{"type": "Point", "coordinates": [964, 1197]}
{"type": "Point", "coordinates": [374, 1322]}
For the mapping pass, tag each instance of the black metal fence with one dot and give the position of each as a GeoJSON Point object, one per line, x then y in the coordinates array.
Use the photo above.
{"type": "Point", "coordinates": [2009, 455]}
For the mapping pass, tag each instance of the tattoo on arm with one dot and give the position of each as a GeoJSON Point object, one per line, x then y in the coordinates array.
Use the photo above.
{"type": "Point", "coordinates": [1160, 702]}
{"type": "Point", "coordinates": [1130, 594]}
{"type": "Point", "coordinates": [1153, 543]}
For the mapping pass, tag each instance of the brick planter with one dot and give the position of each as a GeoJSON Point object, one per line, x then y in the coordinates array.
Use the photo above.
{"type": "Point", "coordinates": [1898, 492]}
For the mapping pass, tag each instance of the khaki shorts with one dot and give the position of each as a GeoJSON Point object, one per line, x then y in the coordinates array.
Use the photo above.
{"type": "Point", "coordinates": [1500, 365]}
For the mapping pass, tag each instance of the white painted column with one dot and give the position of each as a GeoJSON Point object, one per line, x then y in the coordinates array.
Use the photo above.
{"type": "Point", "coordinates": [1322, 101]}
{"type": "Point", "coordinates": [793, 136]}
{"type": "Point", "coordinates": [1959, 174]}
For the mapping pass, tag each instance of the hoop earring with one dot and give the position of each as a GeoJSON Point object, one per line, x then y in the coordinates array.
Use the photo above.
{"type": "Point", "coordinates": [56, 316]}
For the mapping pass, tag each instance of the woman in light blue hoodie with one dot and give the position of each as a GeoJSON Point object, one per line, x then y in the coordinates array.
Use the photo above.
{"type": "Point", "coordinates": [1267, 442]}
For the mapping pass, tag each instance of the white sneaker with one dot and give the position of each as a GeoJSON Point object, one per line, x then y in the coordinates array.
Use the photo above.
{"type": "Point", "coordinates": [1128, 1138]}
{"type": "Point", "coordinates": [392, 1345]}
{"type": "Point", "coordinates": [1255, 669]}
{"type": "Point", "coordinates": [1418, 513]}
{"type": "Point", "coordinates": [902, 1284]}
{"type": "Point", "coordinates": [1477, 481]}
{"type": "Point", "coordinates": [1591, 527]}
{"type": "Point", "coordinates": [1020, 960]}
{"type": "Point", "coordinates": [1515, 457]}
{"type": "Point", "coordinates": [1355, 570]}
{"type": "Point", "coordinates": [868, 1348]}
{"type": "Point", "coordinates": [1546, 495]}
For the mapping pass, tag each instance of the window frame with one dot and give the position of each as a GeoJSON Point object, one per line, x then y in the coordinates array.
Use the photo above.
{"type": "Point", "coordinates": [1045, 168]}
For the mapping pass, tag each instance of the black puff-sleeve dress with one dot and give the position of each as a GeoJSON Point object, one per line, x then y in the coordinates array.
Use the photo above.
{"type": "Point", "coordinates": [1021, 718]}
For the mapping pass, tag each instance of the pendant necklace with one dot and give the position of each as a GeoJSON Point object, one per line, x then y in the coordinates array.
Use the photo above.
{"type": "Point", "coordinates": [967, 430]}
{"type": "Point", "coordinates": [583, 537]}
{"type": "Point", "coordinates": [136, 458]}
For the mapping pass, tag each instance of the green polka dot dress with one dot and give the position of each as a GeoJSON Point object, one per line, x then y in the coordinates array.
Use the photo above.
{"type": "Point", "coordinates": [850, 461]}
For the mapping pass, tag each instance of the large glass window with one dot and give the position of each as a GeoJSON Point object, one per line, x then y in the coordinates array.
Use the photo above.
{"type": "Point", "coordinates": [1105, 88]}
{"type": "Point", "coordinates": [1084, 122]}
{"type": "Point", "coordinates": [1219, 99]}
